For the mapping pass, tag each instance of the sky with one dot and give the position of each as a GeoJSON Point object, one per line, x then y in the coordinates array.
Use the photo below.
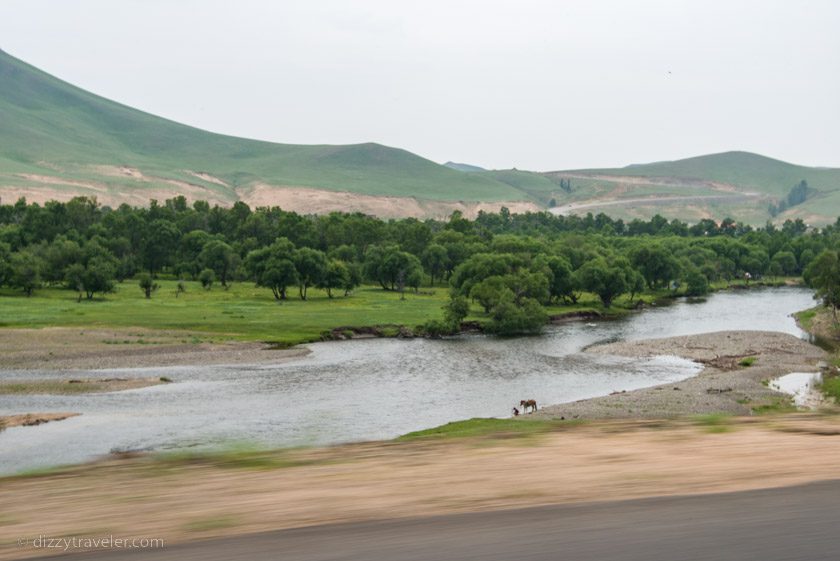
{"type": "Point", "coordinates": [531, 84]}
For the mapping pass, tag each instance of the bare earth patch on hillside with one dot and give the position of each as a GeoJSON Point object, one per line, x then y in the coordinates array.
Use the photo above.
{"type": "Point", "coordinates": [207, 177]}
{"type": "Point", "coordinates": [320, 201]}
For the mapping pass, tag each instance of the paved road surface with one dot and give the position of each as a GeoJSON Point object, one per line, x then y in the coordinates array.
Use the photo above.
{"type": "Point", "coordinates": [792, 523]}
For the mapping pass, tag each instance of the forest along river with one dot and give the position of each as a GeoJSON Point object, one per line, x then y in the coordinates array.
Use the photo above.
{"type": "Point", "coordinates": [373, 388]}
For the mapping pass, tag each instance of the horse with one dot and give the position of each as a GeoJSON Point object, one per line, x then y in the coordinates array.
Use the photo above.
{"type": "Point", "coordinates": [528, 404]}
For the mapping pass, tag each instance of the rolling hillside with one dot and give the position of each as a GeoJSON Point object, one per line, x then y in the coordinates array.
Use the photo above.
{"type": "Point", "coordinates": [737, 184]}
{"type": "Point", "coordinates": [57, 140]}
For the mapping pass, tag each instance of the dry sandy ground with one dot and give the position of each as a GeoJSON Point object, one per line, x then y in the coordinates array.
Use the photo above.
{"type": "Point", "coordinates": [67, 348]}
{"type": "Point", "coordinates": [140, 497]}
{"type": "Point", "coordinates": [70, 386]}
{"type": "Point", "coordinates": [305, 200]}
{"type": "Point", "coordinates": [722, 386]}
{"type": "Point", "coordinates": [32, 419]}
{"type": "Point", "coordinates": [137, 188]}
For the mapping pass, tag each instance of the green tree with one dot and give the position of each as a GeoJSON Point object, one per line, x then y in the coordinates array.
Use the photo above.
{"type": "Point", "coordinates": [58, 256]}
{"type": "Point", "coordinates": [488, 293]}
{"type": "Point", "coordinates": [311, 266]}
{"type": "Point", "coordinates": [220, 257]}
{"type": "Point", "coordinates": [147, 284]}
{"type": "Point", "coordinates": [278, 275]}
{"type": "Point", "coordinates": [696, 283]}
{"type": "Point", "coordinates": [823, 274]}
{"type": "Point", "coordinates": [5, 263]}
{"type": "Point", "coordinates": [509, 319]}
{"type": "Point", "coordinates": [207, 277]}
{"type": "Point", "coordinates": [607, 280]}
{"type": "Point", "coordinates": [336, 275]}
{"type": "Point", "coordinates": [786, 262]}
{"type": "Point", "coordinates": [189, 248]}
{"type": "Point", "coordinates": [561, 283]}
{"type": "Point", "coordinates": [159, 245]}
{"type": "Point", "coordinates": [434, 260]}
{"type": "Point", "coordinates": [393, 269]}
{"type": "Point", "coordinates": [96, 276]}
{"type": "Point", "coordinates": [635, 284]}
{"type": "Point", "coordinates": [656, 264]}
{"type": "Point", "coordinates": [456, 310]}
{"type": "Point", "coordinates": [354, 277]}
{"type": "Point", "coordinates": [26, 271]}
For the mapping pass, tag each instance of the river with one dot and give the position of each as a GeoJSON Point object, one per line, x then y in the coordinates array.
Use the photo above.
{"type": "Point", "coordinates": [373, 388]}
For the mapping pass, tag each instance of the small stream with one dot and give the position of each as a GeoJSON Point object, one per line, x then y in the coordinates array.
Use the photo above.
{"type": "Point", "coordinates": [802, 386]}
{"type": "Point", "coordinates": [373, 388]}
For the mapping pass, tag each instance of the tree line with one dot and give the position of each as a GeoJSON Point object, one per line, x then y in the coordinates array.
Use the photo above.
{"type": "Point", "coordinates": [511, 266]}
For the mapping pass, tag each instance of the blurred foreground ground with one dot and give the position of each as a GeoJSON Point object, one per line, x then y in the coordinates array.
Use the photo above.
{"type": "Point", "coordinates": [187, 498]}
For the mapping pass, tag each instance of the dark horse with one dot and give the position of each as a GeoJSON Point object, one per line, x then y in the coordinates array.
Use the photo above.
{"type": "Point", "coordinates": [528, 404]}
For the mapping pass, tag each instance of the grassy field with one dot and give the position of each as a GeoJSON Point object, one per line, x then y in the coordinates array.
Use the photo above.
{"type": "Point", "coordinates": [243, 312]}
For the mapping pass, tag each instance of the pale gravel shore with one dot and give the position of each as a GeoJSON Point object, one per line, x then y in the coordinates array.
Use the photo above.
{"type": "Point", "coordinates": [723, 386]}
{"type": "Point", "coordinates": [67, 348]}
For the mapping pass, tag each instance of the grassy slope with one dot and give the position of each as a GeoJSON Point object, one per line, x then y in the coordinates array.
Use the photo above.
{"type": "Point", "coordinates": [49, 127]}
{"type": "Point", "coordinates": [742, 169]}
{"type": "Point", "coordinates": [537, 186]}
{"type": "Point", "coordinates": [43, 119]}
{"type": "Point", "coordinates": [749, 173]}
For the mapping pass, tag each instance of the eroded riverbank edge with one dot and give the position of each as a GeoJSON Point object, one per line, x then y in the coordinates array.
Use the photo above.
{"type": "Point", "coordinates": [724, 385]}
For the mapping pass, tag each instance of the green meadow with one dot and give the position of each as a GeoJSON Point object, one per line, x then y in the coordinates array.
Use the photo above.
{"type": "Point", "coordinates": [245, 312]}
{"type": "Point", "coordinates": [242, 312]}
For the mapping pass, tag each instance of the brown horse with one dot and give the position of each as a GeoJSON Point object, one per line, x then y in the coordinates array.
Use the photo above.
{"type": "Point", "coordinates": [528, 404]}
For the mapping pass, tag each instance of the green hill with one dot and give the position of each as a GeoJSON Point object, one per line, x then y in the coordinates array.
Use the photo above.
{"type": "Point", "coordinates": [51, 131]}
{"type": "Point", "coordinates": [744, 170]}
{"type": "Point", "coordinates": [737, 184]}
{"type": "Point", "coordinates": [59, 141]}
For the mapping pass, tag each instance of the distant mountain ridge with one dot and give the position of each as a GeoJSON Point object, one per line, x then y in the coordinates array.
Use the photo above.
{"type": "Point", "coordinates": [58, 141]}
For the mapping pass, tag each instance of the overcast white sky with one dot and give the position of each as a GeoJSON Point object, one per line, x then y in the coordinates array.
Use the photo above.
{"type": "Point", "coordinates": [527, 83]}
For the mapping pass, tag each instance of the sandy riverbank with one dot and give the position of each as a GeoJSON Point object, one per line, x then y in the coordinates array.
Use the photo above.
{"type": "Point", "coordinates": [67, 348]}
{"type": "Point", "coordinates": [723, 386]}
{"type": "Point", "coordinates": [32, 419]}
{"type": "Point", "coordinates": [190, 499]}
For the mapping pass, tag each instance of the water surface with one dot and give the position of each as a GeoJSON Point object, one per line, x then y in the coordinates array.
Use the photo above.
{"type": "Point", "coordinates": [373, 388]}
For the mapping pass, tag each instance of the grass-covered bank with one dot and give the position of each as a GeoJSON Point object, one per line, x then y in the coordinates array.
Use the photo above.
{"type": "Point", "coordinates": [477, 427]}
{"type": "Point", "coordinates": [825, 328]}
{"type": "Point", "coordinates": [244, 312]}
